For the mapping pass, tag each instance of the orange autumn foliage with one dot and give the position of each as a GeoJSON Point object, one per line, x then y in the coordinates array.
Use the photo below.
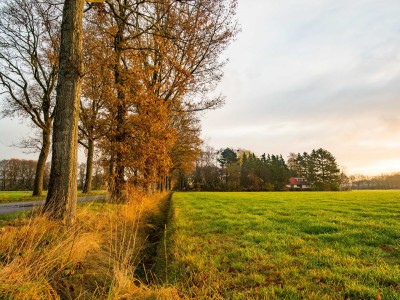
{"type": "Point", "coordinates": [152, 66]}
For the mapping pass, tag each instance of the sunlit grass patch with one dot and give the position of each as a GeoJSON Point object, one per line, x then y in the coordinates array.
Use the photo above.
{"type": "Point", "coordinates": [313, 245]}
{"type": "Point", "coordinates": [97, 258]}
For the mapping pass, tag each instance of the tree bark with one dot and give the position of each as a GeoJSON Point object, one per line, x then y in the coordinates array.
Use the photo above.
{"type": "Point", "coordinates": [161, 184]}
{"type": "Point", "coordinates": [118, 194]}
{"type": "Point", "coordinates": [62, 196]}
{"type": "Point", "coordinates": [87, 188]}
{"type": "Point", "coordinates": [41, 164]}
{"type": "Point", "coordinates": [111, 175]}
{"type": "Point", "coordinates": [4, 178]}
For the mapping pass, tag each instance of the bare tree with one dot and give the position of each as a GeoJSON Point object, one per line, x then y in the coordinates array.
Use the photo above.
{"type": "Point", "coordinates": [29, 42]}
{"type": "Point", "coordinates": [17, 174]}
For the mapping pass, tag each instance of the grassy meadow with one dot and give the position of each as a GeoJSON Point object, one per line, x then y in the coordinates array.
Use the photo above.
{"type": "Point", "coordinates": [295, 245]}
{"type": "Point", "coordinates": [283, 245]}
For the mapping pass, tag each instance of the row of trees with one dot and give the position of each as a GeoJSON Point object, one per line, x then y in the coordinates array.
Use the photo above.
{"type": "Point", "coordinates": [19, 175]}
{"type": "Point", "coordinates": [215, 170]}
{"type": "Point", "coordinates": [128, 75]}
{"type": "Point", "coordinates": [234, 170]}
{"type": "Point", "coordinates": [380, 182]}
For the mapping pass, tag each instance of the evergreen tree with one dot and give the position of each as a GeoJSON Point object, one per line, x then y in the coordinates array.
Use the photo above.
{"type": "Point", "coordinates": [280, 173]}
{"type": "Point", "coordinates": [230, 170]}
{"type": "Point", "coordinates": [228, 156]}
{"type": "Point", "coordinates": [326, 174]}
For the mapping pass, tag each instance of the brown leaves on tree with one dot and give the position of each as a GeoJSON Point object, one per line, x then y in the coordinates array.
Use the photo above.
{"type": "Point", "coordinates": [149, 66]}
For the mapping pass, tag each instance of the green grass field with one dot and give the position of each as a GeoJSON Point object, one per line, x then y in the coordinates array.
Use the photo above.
{"type": "Point", "coordinates": [19, 196]}
{"type": "Point", "coordinates": [294, 245]}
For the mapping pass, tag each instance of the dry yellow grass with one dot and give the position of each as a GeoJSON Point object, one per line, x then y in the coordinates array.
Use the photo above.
{"type": "Point", "coordinates": [95, 259]}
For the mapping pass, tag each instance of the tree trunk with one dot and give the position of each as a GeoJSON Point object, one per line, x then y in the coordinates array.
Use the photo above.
{"type": "Point", "coordinates": [41, 164]}
{"type": "Point", "coordinates": [4, 179]}
{"type": "Point", "coordinates": [62, 196]}
{"type": "Point", "coordinates": [161, 184]}
{"type": "Point", "coordinates": [87, 188]}
{"type": "Point", "coordinates": [118, 194]}
{"type": "Point", "coordinates": [111, 175]}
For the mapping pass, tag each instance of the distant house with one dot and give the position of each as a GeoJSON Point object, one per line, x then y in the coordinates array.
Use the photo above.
{"type": "Point", "coordinates": [298, 183]}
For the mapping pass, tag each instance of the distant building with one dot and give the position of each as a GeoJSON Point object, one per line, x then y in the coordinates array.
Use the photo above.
{"type": "Point", "coordinates": [298, 183]}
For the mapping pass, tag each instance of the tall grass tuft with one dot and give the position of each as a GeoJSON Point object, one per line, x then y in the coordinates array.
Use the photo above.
{"type": "Point", "coordinates": [97, 258]}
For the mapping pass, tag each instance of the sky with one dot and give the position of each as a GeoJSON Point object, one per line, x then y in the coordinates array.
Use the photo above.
{"type": "Point", "coordinates": [309, 74]}
{"type": "Point", "coordinates": [303, 75]}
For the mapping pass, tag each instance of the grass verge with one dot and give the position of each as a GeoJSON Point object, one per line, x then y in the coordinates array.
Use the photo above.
{"type": "Point", "coordinates": [98, 258]}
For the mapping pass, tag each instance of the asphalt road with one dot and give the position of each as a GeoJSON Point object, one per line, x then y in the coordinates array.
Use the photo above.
{"type": "Point", "coordinates": [29, 205]}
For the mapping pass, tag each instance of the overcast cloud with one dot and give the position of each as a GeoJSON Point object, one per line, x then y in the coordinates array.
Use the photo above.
{"type": "Point", "coordinates": [305, 74]}
{"type": "Point", "coordinates": [309, 74]}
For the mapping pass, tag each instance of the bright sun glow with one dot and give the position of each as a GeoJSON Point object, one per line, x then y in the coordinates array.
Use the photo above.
{"type": "Point", "coordinates": [380, 167]}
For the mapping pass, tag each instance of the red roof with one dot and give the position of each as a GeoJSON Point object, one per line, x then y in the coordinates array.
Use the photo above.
{"type": "Point", "coordinates": [297, 180]}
